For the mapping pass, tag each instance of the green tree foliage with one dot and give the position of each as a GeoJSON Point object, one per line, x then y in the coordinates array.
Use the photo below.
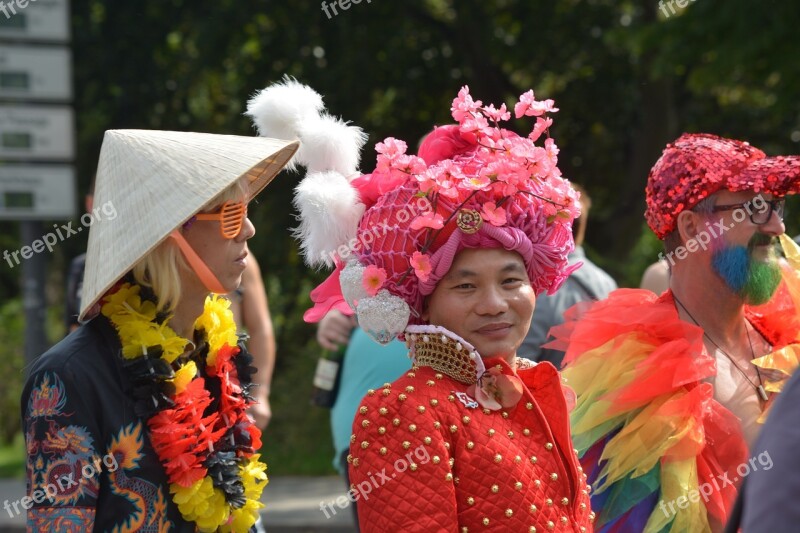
{"type": "Point", "coordinates": [627, 77]}
{"type": "Point", "coordinates": [12, 362]}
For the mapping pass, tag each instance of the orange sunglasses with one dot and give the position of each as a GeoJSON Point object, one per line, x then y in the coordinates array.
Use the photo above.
{"type": "Point", "coordinates": [230, 216]}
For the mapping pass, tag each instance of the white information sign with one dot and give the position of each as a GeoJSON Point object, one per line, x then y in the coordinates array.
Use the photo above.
{"type": "Point", "coordinates": [35, 73]}
{"type": "Point", "coordinates": [39, 20]}
{"type": "Point", "coordinates": [36, 133]}
{"type": "Point", "coordinates": [37, 192]}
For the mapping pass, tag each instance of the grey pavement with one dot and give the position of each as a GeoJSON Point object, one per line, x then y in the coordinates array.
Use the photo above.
{"type": "Point", "coordinates": [292, 505]}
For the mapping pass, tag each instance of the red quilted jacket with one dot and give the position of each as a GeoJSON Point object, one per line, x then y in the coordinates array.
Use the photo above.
{"type": "Point", "coordinates": [426, 457]}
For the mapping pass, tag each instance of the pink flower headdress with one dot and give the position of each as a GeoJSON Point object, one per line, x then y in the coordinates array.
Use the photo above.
{"type": "Point", "coordinates": [472, 184]}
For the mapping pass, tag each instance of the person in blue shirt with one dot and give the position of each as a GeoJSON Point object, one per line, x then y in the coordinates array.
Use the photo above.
{"type": "Point", "coordinates": [589, 282]}
{"type": "Point", "coordinates": [366, 365]}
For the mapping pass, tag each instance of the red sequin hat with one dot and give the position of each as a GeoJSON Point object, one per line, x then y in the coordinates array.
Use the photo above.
{"type": "Point", "coordinates": [697, 165]}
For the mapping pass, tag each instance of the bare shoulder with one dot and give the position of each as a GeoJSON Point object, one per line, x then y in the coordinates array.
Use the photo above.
{"type": "Point", "coordinates": [656, 277]}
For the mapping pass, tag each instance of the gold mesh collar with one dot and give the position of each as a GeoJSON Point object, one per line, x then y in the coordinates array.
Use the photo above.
{"type": "Point", "coordinates": [446, 354]}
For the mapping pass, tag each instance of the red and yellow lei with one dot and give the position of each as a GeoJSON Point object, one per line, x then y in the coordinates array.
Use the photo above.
{"type": "Point", "coordinates": [195, 409]}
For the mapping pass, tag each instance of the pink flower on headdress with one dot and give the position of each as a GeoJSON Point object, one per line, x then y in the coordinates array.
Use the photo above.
{"type": "Point", "coordinates": [421, 264]}
{"type": "Point", "coordinates": [476, 124]}
{"type": "Point", "coordinates": [563, 205]}
{"type": "Point", "coordinates": [496, 216]}
{"type": "Point", "coordinates": [528, 106]}
{"type": "Point", "coordinates": [410, 164]}
{"type": "Point", "coordinates": [552, 150]}
{"type": "Point", "coordinates": [539, 108]}
{"type": "Point", "coordinates": [550, 208]}
{"type": "Point", "coordinates": [391, 147]}
{"type": "Point", "coordinates": [506, 171]}
{"type": "Point", "coordinates": [427, 181]}
{"type": "Point", "coordinates": [447, 188]}
{"type": "Point", "coordinates": [442, 179]}
{"type": "Point", "coordinates": [569, 197]}
{"type": "Point", "coordinates": [463, 105]}
{"type": "Point", "coordinates": [373, 279]}
{"type": "Point", "coordinates": [544, 164]}
{"type": "Point", "coordinates": [497, 114]}
{"type": "Point", "coordinates": [506, 189]}
{"type": "Point", "coordinates": [481, 181]}
{"type": "Point", "coordinates": [541, 125]}
{"type": "Point", "coordinates": [428, 220]}
{"type": "Point", "coordinates": [391, 155]}
{"type": "Point", "coordinates": [523, 151]}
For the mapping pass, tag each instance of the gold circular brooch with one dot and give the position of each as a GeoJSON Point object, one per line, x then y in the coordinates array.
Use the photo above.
{"type": "Point", "coordinates": [469, 221]}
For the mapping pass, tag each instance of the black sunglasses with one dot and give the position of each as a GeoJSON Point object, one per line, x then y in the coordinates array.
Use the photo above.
{"type": "Point", "coordinates": [757, 217]}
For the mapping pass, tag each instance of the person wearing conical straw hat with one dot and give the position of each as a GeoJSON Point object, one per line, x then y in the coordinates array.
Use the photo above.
{"type": "Point", "coordinates": [137, 420]}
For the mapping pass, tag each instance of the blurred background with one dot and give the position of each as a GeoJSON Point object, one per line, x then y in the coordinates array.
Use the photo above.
{"type": "Point", "coordinates": [628, 77]}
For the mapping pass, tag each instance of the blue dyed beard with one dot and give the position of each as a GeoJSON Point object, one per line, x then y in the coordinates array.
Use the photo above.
{"type": "Point", "coordinates": [754, 280]}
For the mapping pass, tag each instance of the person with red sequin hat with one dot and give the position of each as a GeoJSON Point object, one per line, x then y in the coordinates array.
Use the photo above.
{"type": "Point", "coordinates": [448, 250]}
{"type": "Point", "coordinates": [672, 389]}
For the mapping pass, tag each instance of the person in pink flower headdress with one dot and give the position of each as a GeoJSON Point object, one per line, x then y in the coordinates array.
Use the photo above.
{"type": "Point", "coordinates": [447, 249]}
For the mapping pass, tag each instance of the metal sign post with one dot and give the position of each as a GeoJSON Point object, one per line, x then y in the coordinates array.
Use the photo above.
{"type": "Point", "coordinates": [34, 304]}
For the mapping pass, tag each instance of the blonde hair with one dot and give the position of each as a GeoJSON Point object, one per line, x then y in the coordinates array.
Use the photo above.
{"type": "Point", "coordinates": [160, 269]}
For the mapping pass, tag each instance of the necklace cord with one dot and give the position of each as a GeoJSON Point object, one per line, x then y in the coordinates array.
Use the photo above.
{"type": "Point", "coordinates": [758, 388]}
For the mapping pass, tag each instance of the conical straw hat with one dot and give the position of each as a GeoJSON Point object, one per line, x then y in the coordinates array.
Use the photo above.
{"type": "Point", "coordinates": [155, 181]}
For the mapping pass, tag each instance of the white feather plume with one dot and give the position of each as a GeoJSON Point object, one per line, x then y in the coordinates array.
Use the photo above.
{"type": "Point", "coordinates": [329, 213]}
{"type": "Point", "coordinates": [279, 110]}
{"type": "Point", "coordinates": [328, 143]}
{"type": "Point", "coordinates": [330, 150]}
